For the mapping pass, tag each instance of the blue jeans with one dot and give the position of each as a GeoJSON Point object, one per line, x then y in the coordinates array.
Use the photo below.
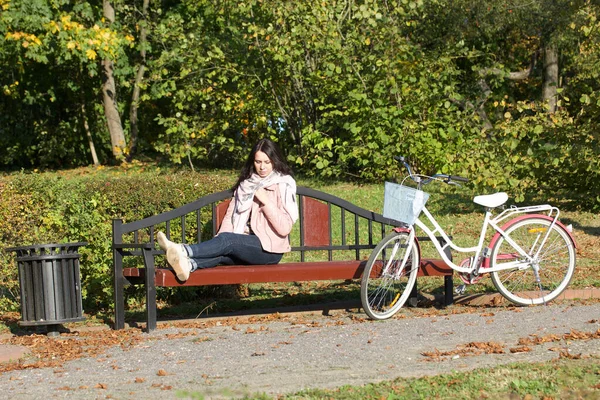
{"type": "Point", "coordinates": [229, 249]}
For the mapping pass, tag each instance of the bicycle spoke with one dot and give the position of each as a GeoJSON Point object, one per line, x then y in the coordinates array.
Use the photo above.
{"type": "Point", "coordinates": [386, 282]}
{"type": "Point", "coordinates": [547, 275]}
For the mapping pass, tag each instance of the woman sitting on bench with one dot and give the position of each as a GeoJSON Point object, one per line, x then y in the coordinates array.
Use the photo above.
{"type": "Point", "coordinates": [257, 223]}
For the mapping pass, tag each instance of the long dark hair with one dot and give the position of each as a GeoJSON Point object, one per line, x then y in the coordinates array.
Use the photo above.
{"type": "Point", "coordinates": [272, 151]}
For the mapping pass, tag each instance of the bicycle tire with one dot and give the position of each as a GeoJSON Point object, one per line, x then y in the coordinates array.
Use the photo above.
{"type": "Point", "coordinates": [383, 295]}
{"type": "Point", "coordinates": [555, 261]}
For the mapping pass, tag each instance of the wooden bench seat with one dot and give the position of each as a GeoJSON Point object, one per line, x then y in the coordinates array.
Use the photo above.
{"type": "Point", "coordinates": [327, 227]}
{"type": "Point", "coordinates": [286, 272]}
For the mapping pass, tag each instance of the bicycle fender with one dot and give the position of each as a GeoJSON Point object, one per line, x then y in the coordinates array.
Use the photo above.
{"type": "Point", "coordinates": [400, 229]}
{"type": "Point", "coordinates": [486, 261]}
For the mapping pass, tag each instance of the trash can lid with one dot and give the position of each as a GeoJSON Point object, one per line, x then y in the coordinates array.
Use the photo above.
{"type": "Point", "coordinates": [47, 246]}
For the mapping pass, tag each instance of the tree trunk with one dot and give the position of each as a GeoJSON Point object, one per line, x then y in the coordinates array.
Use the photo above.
{"type": "Point", "coordinates": [550, 87]}
{"type": "Point", "coordinates": [135, 98]}
{"type": "Point", "coordinates": [109, 96]}
{"type": "Point", "coordinates": [88, 133]}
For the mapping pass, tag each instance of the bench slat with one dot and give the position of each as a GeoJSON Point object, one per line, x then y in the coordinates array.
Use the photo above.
{"type": "Point", "coordinates": [287, 272]}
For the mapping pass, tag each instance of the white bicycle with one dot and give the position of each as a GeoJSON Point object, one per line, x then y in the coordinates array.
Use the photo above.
{"type": "Point", "coordinates": [531, 256]}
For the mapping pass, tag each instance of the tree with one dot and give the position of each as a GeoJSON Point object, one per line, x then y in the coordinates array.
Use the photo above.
{"type": "Point", "coordinates": [139, 77]}
{"type": "Point", "coordinates": [343, 86]}
{"type": "Point", "coordinates": [109, 95]}
{"type": "Point", "coordinates": [52, 51]}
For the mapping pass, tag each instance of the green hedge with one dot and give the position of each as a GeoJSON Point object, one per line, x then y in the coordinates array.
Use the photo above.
{"type": "Point", "coordinates": [79, 205]}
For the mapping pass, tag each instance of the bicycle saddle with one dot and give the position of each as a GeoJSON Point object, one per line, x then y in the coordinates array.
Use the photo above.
{"type": "Point", "coordinates": [491, 200]}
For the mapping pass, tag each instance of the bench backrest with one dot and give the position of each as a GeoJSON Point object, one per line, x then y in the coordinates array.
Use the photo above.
{"type": "Point", "coordinates": [327, 226]}
{"type": "Point", "coordinates": [315, 220]}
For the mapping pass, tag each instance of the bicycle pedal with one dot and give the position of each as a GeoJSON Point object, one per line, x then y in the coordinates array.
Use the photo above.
{"type": "Point", "coordinates": [460, 289]}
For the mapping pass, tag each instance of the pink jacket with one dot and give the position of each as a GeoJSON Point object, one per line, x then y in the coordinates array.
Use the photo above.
{"type": "Point", "coordinates": [271, 224]}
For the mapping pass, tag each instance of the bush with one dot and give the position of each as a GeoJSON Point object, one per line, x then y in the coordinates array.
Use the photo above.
{"type": "Point", "coordinates": [54, 207]}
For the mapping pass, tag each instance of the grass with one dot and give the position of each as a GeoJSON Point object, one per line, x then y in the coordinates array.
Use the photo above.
{"type": "Point", "coordinates": [452, 206]}
{"type": "Point", "coordinates": [462, 219]}
{"type": "Point", "coordinates": [560, 379]}
{"type": "Point", "coordinates": [454, 210]}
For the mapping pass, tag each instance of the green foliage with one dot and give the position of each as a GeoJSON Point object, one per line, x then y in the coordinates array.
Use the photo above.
{"type": "Point", "coordinates": [60, 207]}
{"type": "Point", "coordinates": [342, 86]}
{"type": "Point", "coordinates": [546, 154]}
{"type": "Point", "coordinates": [54, 208]}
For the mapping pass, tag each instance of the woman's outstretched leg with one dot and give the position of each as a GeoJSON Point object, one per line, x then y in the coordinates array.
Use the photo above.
{"type": "Point", "coordinates": [226, 248]}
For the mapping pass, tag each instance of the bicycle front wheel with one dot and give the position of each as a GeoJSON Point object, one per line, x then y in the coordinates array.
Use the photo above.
{"type": "Point", "coordinates": [389, 275]}
{"type": "Point", "coordinates": [548, 273]}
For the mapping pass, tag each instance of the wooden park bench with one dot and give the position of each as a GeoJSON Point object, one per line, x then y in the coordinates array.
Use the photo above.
{"type": "Point", "coordinates": [331, 241]}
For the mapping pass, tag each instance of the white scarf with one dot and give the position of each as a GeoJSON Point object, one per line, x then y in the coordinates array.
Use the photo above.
{"type": "Point", "coordinates": [244, 196]}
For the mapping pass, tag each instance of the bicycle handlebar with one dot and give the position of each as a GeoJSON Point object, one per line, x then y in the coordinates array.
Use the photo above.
{"type": "Point", "coordinates": [458, 178]}
{"type": "Point", "coordinates": [443, 177]}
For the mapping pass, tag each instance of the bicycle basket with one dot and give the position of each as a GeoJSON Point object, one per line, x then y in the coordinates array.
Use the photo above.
{"type": "Point", "coordinates": [403, 203]}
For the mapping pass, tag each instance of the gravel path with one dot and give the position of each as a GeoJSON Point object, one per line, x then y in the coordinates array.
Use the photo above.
{"type": "Point", "coordinates": [290, 353]}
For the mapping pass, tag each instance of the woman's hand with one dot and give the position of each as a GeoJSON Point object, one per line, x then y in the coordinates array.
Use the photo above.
{"type": "Point", "coordinates": [262, 196]}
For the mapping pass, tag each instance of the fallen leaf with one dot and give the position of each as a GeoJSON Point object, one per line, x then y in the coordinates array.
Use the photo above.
{"type": "Point", "coordinates": [53, 353]}
{"type": "Point", "coordinates": [520, 349]}
{"type": "Point", "coordinates": [565, 354]}
{"type": "Point", "coordinates": [162, 372]}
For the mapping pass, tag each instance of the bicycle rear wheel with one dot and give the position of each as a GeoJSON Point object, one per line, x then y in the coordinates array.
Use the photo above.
{"type": "Point", "coordinates": [549, 273]}
{"type": "Point", "coordinates": [386, 283]}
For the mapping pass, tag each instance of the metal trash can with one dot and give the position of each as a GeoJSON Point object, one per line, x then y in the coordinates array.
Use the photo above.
{"type": "Point", "coordinates": [50, 284]}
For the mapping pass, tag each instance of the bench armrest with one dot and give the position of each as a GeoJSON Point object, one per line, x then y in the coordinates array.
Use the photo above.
{"type": "Point", "coordinates": [143, 246]}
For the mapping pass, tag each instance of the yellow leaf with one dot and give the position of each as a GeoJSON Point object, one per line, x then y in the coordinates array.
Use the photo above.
{"type": "Point", "coordinates": [367, 41]}
{"type": "Point", "coordinates": [91, 54]}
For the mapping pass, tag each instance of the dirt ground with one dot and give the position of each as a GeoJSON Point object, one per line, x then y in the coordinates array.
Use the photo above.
{"type": "Point", "coordinates": [286, 353]}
